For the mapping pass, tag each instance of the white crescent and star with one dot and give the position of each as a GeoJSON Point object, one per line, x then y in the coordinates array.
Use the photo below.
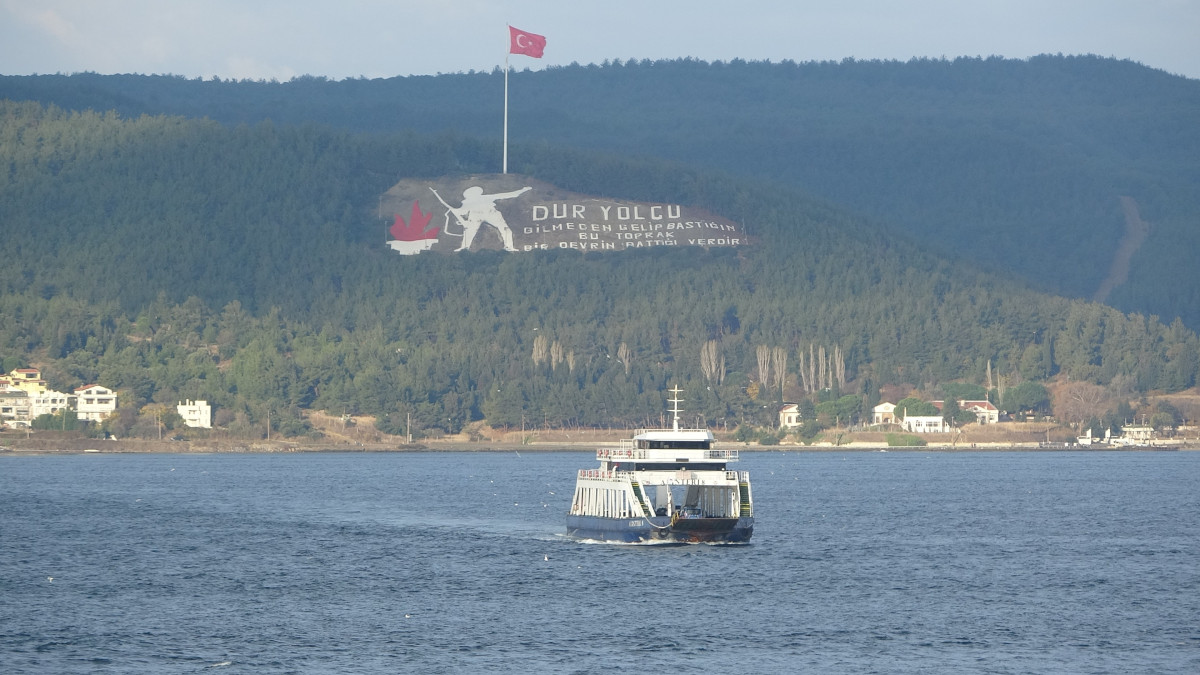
{"type": "Point", "coordinates": [521, 41]}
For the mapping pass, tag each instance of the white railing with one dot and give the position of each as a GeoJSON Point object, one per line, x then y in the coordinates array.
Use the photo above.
{"type": "Point", "coordinates": [599, 474]}
{"type": "Point", "coordinates": [628, 451]}
{"type": "Point", "coordinates": [688, 477]}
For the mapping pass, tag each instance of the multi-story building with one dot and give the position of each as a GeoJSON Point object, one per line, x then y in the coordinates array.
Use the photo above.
{"type": "Point", "coordinates": [15, 407]}
{"type": "Point", "coordinates": [24, 396]}
{"type": "Point", "coordinates": [94, 402]}
{"type": "Point", "coordinates": [28, 380]}
{"type": "Point", "coordinates": [49, 402]}
{"type": "Point", "coordinates": [196, 414]}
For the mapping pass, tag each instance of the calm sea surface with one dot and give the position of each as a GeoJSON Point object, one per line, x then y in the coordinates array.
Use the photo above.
{"type": "Point", "coordinates": [899, 562]}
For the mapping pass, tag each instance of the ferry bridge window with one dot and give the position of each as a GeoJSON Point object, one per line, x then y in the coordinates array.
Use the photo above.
{"type": "Point", "coordinates": [674, 445]}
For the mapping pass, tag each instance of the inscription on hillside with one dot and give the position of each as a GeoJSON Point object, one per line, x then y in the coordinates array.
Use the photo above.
{"type": "Point", "coordinates": [512, 213]}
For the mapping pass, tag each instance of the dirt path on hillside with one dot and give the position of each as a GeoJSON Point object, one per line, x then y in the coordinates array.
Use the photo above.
{"type": "Point", "coordinates": [1136, 231]}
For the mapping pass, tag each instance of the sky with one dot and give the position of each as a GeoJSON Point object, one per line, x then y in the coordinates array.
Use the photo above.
{"type": "Point", "coordinates": [282, 39]}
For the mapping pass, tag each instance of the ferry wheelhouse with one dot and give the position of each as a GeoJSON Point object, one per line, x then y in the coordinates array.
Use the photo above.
{"type": "Point", "coordinates": [664, 485]}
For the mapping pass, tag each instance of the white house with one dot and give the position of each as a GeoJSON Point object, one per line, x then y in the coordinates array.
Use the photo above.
{"type": "Point", "coordinates": [922, 424]}
{"type": "Point", "coordinates": [985, 412]}
{"type": "Point", "coordinates": [884, 413]}
{"type": "Point", "coordinates": [1138, 434]}
{"type": "Point", "coordinates": [196, 414]}
{"type": "Point", "coordinates": [49, 402]}
{"type": "Point", "coordinates": [94, 402]}
{"type": "Point", "coordinates": [789, 415]}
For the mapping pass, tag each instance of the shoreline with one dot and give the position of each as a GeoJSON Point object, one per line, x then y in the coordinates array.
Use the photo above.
{"type": "Point", "coordinates": [62, 446]}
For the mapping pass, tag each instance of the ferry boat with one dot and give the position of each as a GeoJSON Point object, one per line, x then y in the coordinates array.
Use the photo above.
{"type": "Point", "coordinates": [663, 486]}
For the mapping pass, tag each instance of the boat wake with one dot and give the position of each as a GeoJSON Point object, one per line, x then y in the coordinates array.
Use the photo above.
{"type": "Point", "coordinates": [649, 542]}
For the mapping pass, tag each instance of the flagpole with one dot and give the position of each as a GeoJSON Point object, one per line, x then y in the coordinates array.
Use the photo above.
{"type": "Point", "coordinates": [504, 166]}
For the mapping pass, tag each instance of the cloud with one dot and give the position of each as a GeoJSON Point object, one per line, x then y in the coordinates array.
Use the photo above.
{"type": "Point", "coordinates": [52, 22]}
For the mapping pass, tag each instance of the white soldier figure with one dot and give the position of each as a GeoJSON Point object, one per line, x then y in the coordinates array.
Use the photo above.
{"type": "Point", "coordinates": [477, 209]}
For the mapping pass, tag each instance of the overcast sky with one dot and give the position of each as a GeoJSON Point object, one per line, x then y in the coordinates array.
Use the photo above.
{"type": "Point", "coordinates": [280, 39]}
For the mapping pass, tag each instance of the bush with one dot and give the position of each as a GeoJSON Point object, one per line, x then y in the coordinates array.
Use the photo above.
{"type": "Point", "coordinates": [904, 440]}
{"type": "Point", "coordinates": [809, 430]}
{"type": "Point", "coordinates": [289, 426]}
{"type": "Point", "coordinates": [393, 424]}
{"type": "Point", "coordinates": [63, 420]}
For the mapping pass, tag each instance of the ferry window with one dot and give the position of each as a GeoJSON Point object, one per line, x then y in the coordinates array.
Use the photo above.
{"type": "Point", "coordinates": [678, 445]}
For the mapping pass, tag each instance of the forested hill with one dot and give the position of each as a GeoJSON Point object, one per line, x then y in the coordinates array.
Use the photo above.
{"type": "Point", "coordinates": [178, 259]}
{"type": "Point", "coordinates": [1076, 173]}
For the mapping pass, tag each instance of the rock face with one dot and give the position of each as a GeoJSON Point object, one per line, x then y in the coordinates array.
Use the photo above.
{"type": "Point", "coordinates": [515, 213]}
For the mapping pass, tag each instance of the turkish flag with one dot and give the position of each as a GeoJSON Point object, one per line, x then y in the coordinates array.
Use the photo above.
{"type": "Point", "coordinates": [529, 44]}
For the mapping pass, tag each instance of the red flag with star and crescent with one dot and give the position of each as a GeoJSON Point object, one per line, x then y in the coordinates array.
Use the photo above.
{"type": "Point", "coordinates": [524, 42]}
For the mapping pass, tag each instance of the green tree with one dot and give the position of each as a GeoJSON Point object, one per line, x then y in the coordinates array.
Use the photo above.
{"type": "Point", "coordinates": [1037, 361]}
{"type": "Point", "coordinates": [950, 410]}
{"type": "Point", "coordinates": [1096, 426]}
{"type": "Point", "coordinates": [1165, 415]}
{"type": "Point", "coordinates": [1162, 421]}
{"type": "Point", "coordinates": [848, 409]}
{"type": "Point", "coordinates": [744, 433]}
{"type": "Point", "coordinates": [963, 391]}
{"type": "Point", "coordinates": [915, 407]}
{"type": "Point", "coordinates": [505, 405]}
{"type": "Point", "coordinates": [806, 409]}
{"type": "Point", "coordinates": [1026, 397]}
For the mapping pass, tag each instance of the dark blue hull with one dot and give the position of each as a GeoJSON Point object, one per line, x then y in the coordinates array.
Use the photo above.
{"type": "Point", "coordinates": [661, 529]}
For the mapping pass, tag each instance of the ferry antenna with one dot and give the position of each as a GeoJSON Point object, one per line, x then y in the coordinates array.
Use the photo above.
{"type": "Point", "coordinates": [675, 409]}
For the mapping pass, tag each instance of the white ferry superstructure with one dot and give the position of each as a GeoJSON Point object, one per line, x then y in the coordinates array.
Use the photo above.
{"type": "Point", "coordinates": [664, 485]}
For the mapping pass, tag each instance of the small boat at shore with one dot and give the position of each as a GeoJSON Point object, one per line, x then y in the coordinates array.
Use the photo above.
{"type": "Point", "coordinates": [664, 486]}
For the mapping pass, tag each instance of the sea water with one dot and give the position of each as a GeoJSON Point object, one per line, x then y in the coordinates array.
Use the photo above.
{"type": "Point", "coordinates": [899, 562]}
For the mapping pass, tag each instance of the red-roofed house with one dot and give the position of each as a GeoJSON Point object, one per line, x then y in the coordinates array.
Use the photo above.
{"type": "Point", "coordinates": [28, 380]}
{"type": "Point", "coordinates": [95, 402]}
{"type": "Point", "coordinates": [985, 412]}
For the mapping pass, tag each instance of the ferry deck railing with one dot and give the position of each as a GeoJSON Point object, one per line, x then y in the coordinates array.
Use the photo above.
{"type": "Point", "coordinates": [629, 451]}
{"type": "Point", "coordinates": [612, 475]}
